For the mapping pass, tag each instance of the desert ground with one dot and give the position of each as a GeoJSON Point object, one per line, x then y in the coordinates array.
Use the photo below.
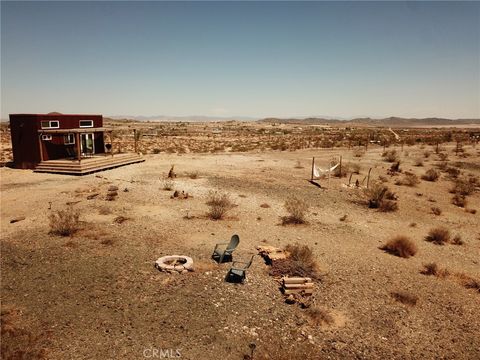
{"type": "Point", "coordinates": [96, 293]}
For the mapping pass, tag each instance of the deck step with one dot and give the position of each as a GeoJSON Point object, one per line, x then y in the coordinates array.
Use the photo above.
{"type": "Point", "coordinates": [87, 166]}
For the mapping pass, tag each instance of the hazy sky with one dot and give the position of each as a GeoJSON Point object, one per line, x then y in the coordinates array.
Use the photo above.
{"type": "Point", "coordinates": [253, 58]}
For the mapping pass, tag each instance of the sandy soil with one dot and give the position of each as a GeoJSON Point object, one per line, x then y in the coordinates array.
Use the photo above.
{"type": "Point", "coordinates": [97, 294]}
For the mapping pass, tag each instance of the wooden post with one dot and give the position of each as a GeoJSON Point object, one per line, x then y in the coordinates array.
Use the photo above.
{"type": "Point", "coordinates": [111, 142]}
{"type": "Point", "coordinates": [368, 177]}
{"type": "Point", "coordinates": [40, 144]}
{"type": "Point", "coordinates": [77, 139]}
{"type": "Point", "coordinates": [135, 137]}
{"type": "Point", "coordinates": [340, 167]}
{"type": "Point", "coordinates": [313, 164]}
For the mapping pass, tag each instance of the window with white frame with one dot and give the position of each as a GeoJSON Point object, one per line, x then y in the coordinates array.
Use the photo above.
{"type": "Point", "coordinates": [86, 123]}
{"type": "Point", "coordinates": [69, 139]}
{"type": "Point", "coordinates": [50, 124]}
{"type": "Point", "coordinates": [46, 137]}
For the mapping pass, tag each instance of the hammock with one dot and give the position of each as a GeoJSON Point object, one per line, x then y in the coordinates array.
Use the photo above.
{"type": "Point", "coordinates": [318, 172]}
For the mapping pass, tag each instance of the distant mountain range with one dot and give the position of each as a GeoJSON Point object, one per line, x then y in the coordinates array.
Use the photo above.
{"type": "Point", "coordinates": [192, 118]}
{"type": "Point", "coordinates": [390, 121]}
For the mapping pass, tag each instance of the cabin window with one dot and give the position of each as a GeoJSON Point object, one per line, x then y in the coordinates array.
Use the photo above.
{"type": "Point", "coordinates": [69, 139]}
{"type": "Point", "coordinates": [86, 123]}
{"type": "Point", "coordinates": [46, 137]}
{"type": "Point", "coordinates": [50, 124]}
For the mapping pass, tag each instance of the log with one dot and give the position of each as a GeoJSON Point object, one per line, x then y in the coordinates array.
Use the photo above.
{"type": "Point", "coordinates": [299, 286]}
{"type": "Point", "coordinates": [296, 280]}
{"type": "Point", "coordinates": [298, 291]}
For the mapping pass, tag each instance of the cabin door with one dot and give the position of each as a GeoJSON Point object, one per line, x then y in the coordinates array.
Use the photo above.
{"type": "Point", "coordinates": [87, 144]}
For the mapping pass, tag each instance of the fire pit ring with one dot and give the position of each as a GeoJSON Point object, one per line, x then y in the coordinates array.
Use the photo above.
{"type": "Point", "coordinates": [172, 263]}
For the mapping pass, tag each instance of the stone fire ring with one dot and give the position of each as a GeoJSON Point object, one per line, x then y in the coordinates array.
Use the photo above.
{"type": "Point", "coordinates": [171, 263]}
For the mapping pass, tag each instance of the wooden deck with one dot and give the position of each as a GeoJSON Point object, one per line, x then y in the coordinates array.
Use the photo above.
{"type": "Point", "coordinates": [87, 165]}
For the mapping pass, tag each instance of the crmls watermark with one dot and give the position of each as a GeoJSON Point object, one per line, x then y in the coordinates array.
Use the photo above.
{"type": "Point", "coordinates": [158, 353]}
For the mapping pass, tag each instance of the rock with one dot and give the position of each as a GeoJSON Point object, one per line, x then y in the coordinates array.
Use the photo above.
{"type": "Point", "coordinates": [112, 188]}
{"type": "Point", "coordinates": [17, 219]}
{"type": "Point", "coordinates": [290, 299]}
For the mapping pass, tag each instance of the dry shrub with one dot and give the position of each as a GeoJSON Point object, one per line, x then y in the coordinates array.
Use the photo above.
{"type": "Point", "coordinates": [380, 197]}
{"type": "Point", "coordinates": [436, 210]}
{"type": "Point", "coordinates": [319, 316]}
{"type": "Point", "coordinates": [431, 175]}
{"type": "Point", "coordinates": [17, 340]}
{"type": "Point", "coordinates": [168, 184]}
{"type": "Point", "coordinates": [457, 240]}
{"type": "Point", "coordinates": [394, 168]}
{"type": "Point", "coordinates": [193, 175]}
{"type": "Point", "coordinates": [390, 155]}
{"type": "Point", "coordinates": [409, 179]}
{"type": "Point", "coordinates": [265, 206]}
{"type": "Point", "coordinates": [418, 162]}
{"type": "Point", "coordinates": [64, 222]}
{"type": "Point", "coordinates": [297, 210]}
{"type": "Point", "coordinates": [468, 281]}
{"type": "Point", "coordinates": [300, 262]}
{"type": "Point", "coordinates": [434, 270]}
{"type": "Point", "coordinates": [439, 236]}
{"type": "Point", "coordinates": [459, 200]}
{"type": "Point", "coordinates": [405, 298]}
{"type": "Point", "coordinates": [452, 172]}
{"type": "Point", "coordinates": [400, 246]}
{"type": "Point", "coordinates": [219, 204]}
{"type": "Point", "coordinates": [463, 186]}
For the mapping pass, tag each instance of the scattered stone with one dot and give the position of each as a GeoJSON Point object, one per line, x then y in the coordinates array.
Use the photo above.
{"type": "Point", "coordinates": [113, 188]}
{"type": "Point", "coordinates": [92, 196]}
{"type": "Point", "coordinates": [120, 219]}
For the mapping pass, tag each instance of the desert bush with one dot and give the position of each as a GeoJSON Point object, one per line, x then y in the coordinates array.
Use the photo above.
{"type": "Point", "coordinates": [409, 179]}
{"type": "Point", "coordinates": [297, 210]}
{"type": "Point", "coordinates": [299, 262]}
{"type": "Point", "coordinates": [418, 162]}
{"type": "Point", "coordinates": [452, 172]}
{"type": "Point", "coordinates": [436, 210]}
{"type": "Point", "coordinates": [439, 236]}
{"type": "Point", "coordinates": [431, 175]}
{"type": "Point", "coordinates": [64, 222]}
{"type": "Point", "coordinates": [434, 270]}
{"type": "Point", "coordinates": [319, 316]}
{"type": "Point", "coordinates": [168, 184]}
{"type": "Point", "coordinates": [380, 197]}
{"type": "Point", "coordinates": [469, 282]}
{"type": "Point", "coordinates": [459, 200]}
{"type": "Point", "coordinates": [400, 246]}
{"type": "Point", "coordinates": [390, 155]}
{"type": "Point", "coordinates": [405, 298]}
{"type": "Point", "coordinates": [219, 204]}
{"type": "Point", "coordinates": [457, 240]}
{"type": "Point", "coordinates": [463, 186]}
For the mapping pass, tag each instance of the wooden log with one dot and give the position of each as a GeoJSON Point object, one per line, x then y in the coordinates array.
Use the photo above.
{"type": "Point", "coordinates": [298, 286]}
{"type": "Point", "coordinates": [296, 280]}
{"type": "Point", "coordinates": [299, 291]}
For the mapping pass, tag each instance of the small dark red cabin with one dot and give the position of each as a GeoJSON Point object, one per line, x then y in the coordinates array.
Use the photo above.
{"type": "Point", "coordinates": [42, 137]}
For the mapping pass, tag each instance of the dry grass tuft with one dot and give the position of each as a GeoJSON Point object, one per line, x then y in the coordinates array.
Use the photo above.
{"type": "Point", "coordinates": [434, 270]}
{"type": "Point", "coordinates": [457, 240]}
{"type": "Point", "coordinates": [300, 262]}
{"type": "Point", "coordinates": [319, 316]}
{"type": "Point", "coordinates": [409, 179]}
{"type": "Point", "coordinates": [431, 175]}
{"type": "Point", "coordinates": [405, 298]}
{"type": "Point", "coordinates": [380, 197]}
{"type": "Point", "coordinates": [219, 204]}
{"type": "Point", "coordinates": [436, 210]}
{"type": "Point", "coordinates": [459, 200]}
{"type": "Point", "coordinates": [168, 184]}
{"type": "Point", "coordinates": [64, 222]}
{"type": "Point", "coordinates": [400, 246]}
{"type": "Point", "coordinates": [439, 236]}
{"type": "Point", "coordinates": [297, 210]}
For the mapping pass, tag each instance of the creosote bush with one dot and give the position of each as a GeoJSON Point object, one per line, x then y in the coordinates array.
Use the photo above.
{"type": "Point", "coordinates": [405, 298]}
{"type": "Point", "coordinates": [64, 222]}
{"type": "Point", "coordinates": [300, 262]}
{"type": "Point", "coordinates": [297, 210]}
{"type": "Point", "coordinates": [380, 197]}
{"type": "Point", "coordinates": [431, 175]}
{"type": "Point", "coordinates": [439, 236]}
{"type": "Point", "coordinates": [219, 204]}
{"type": "Point", "coordinates": [400, 246]}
